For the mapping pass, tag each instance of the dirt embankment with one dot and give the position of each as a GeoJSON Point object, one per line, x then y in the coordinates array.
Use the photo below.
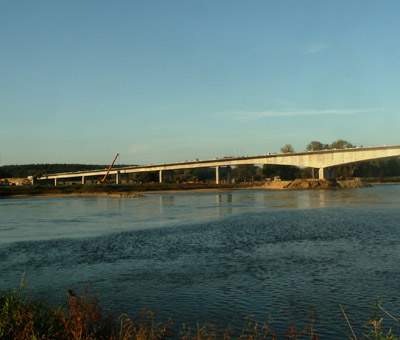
{"type": "Point", "coordinates": [303, 184]}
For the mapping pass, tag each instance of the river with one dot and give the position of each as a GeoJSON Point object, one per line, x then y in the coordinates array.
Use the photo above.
{"type": "Point", "coordinates": [217, 256]}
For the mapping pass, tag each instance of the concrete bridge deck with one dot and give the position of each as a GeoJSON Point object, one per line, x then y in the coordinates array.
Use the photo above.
{"type": "Point", "coordinates": [325, 161]}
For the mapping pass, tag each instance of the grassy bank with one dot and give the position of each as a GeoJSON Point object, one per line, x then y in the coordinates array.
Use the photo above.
{"type": "Point", "coordinates": [23, 316]}
{"type": "Point", "coordinates": [383, 180]}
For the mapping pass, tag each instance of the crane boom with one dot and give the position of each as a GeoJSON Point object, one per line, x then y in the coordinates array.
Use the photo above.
{"type": "Point", "coordinates": [109, 168]}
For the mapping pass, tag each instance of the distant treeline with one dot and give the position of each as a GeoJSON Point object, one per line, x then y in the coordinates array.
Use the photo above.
{"type": "Point", "coordinates": [378, 169]}
{"type": "Point", "coordinates": [382, 169]}
{"type": "Point", "coordinates": [22, 171]}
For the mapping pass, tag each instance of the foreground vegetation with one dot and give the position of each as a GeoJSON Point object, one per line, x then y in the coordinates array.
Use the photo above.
{"type": "Point", "coordinates": [25, 316]}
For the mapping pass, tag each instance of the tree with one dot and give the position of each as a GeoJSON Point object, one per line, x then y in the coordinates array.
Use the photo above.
{"type": "Point", "coordinates": [315, 146]}
{"type": "Point", "coordinates": [245, 172]}
{"type": "Point", "coordinates": [285, 172]}
{"type": "Point", "coordinates": [287, 148]}
{"type": "Point", "coordinates": [340, 144]}
{"type": "Point", "coordinates": [146, 177]}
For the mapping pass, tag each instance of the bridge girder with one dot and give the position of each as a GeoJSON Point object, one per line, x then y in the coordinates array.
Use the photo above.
{"type": "Point", "coordinates": [314, 159]}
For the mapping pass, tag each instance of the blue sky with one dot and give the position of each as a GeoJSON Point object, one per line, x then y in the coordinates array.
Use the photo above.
{"type": "Point", "coordinates": [164, 81]}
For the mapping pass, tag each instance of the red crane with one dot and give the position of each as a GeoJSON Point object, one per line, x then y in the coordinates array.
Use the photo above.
{"type": "Point", "coordinates": [109, 168]}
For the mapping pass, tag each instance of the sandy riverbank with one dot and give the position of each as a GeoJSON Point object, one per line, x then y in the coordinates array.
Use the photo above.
{"type": "Point", "coordinates": [130, 194]}
{"type": "Point", "coordinates": [315, 184]}
{"type": "Point", "coordinates": [298, 184]}
{"type": "Point", "coordinates": [75, 194]}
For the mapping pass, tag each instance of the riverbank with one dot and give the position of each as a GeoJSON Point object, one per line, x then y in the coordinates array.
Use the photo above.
{"type": "Point", "coordinates": [113, 190]}
{"type": "Point", "coordinates": [137, 190]}
{"type": "Point", "coordinates": [315, 184]}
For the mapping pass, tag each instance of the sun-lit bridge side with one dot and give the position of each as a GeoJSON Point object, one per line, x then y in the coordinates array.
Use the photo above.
{"type": "Point", "coordinates": [325, 161]}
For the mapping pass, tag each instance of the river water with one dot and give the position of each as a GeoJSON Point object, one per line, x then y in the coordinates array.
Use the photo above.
{"type": "Point", "coordinates": [217, 256]}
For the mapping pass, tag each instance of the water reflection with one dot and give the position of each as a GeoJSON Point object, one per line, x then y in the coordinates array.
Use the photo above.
{"type": "Point", "coordinates": [79, 217]}
{"type": "Point", "coordinates": [224, 204]}
{"type": "Point", "coordinates": [165, 201]}
{"type": "Point", "coordinates": [213, 257]}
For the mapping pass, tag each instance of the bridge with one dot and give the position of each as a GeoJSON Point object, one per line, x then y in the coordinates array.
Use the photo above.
{"type": "Point", "coordinates": [326, 161]}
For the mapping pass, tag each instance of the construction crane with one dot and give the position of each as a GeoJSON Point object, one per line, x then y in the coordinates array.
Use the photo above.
{"type": "Point", "coordinates": [109, 168]}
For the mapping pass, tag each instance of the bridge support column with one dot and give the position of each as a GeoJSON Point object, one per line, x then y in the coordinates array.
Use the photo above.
{"type": "Point", "coordinates": [55, 181]}
{"type": "Point", "coordinates": [83, 180]}
{"type": "Point", "coordinates": [160, 176]}
{"type": "Point", "coordinates": [118, 178]}
{"type": "Point", "coordinates": [217, 175]}
{"type": "Point", "coordinates": [229, 175]}
{"type": "Point", "coordinates": [327, 173]}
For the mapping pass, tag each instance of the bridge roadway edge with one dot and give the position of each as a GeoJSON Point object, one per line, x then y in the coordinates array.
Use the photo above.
{"type": "Point", "coordinates": [322, 160]}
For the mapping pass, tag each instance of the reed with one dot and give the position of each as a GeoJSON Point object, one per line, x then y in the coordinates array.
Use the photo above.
{"type": "Point", "coordinates": [23, 316]}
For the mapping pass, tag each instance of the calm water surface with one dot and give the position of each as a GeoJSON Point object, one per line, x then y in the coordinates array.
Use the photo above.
{"type": "Point", "coordinates": [214, 256]}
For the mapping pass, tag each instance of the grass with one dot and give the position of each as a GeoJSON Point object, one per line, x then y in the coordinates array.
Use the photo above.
{"type": "Point", "coordinates": [79, 317]}
{"type": "Point", "coordinates": [23, 316]}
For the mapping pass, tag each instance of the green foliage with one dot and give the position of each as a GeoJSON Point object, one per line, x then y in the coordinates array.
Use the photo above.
{"type": "Point", "coordinates": [20, 171]}
{"type": "Point", "coordinates": [283, 171]}
{"type": "Point", "coordinates": [375, 323]}
{"type": "Point", "coordinates": [245, 172]}
{"type": "Point", "coordinates": [316, 146]}
{"type": "Point", "coordinates": [287, 148]}
{"type": "Point", "coordinates": [26, 316]}
{"type": "Point", "coordinates": [145, 177]}
{"type": "Point", "coordinates": [340, 144]}
{"type": "Point", "coordinates": [80, 317]}
{"type": "Point", "coordinates": [194, 175]}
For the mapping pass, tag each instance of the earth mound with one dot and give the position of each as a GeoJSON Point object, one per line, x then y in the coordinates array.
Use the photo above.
{"type": "Point", "coordinates": [313, 184]}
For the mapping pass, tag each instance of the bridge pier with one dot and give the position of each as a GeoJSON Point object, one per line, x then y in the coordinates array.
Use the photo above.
{"type": "Point", "coordinates": [217, 175]}
{"type": "Point", "coordinates": [118, 178]}
{"type": "Point", "coordinates": [55, 181]}
{"type": "Point", "coordinates": [83, 180]}
{"type": "Point", "coordinates": [327, 173]}
{"type": "Point", "coordinates": [160, 177]}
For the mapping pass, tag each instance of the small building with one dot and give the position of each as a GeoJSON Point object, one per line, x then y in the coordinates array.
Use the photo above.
{"type": "Point", "coordinates": [4, 181]}
{"type": "Point", "coordinates": [17, 181]}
